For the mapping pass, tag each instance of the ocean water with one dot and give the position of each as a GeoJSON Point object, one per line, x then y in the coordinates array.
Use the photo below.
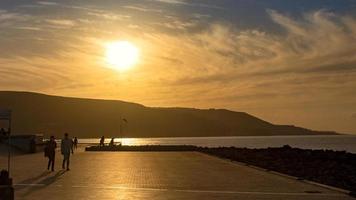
{"type": "Point", "coordinates": [332, 142]}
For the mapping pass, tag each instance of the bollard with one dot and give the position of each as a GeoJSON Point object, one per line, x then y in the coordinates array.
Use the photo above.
{"type": "Point", "coordinates": [6, 189]}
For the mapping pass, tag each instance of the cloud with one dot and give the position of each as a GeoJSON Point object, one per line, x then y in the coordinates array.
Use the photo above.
{"type": "Point", "coordinates": [256, 69]}
{"type": "Point", "coordinates": [6, 16]}
{"type": "Point", "coordinates": [142, 9]}
{"type": "Point", "coordinates": [61, 22]}
{"type": "Point", "coordinates": [224, 54]}
{"type": "Point", "coordinates": [178, 24]}
{"type": "Point", "coordinates": [109, 16]}
{"type": "Point", "coordinates": [192, 60]}
{"type": "Point", "coordinates": [172, 1]}
{"type": "Point", "coordinates": [201, 16]}
{"type": "Point", "coordinates": [188, 3]}
{"type": "Point", "coordinates": [29, 28]}
{"type": "Point", "coordinates": [303, 48]}
{"type": "Point", "coordinates": [47, 3]}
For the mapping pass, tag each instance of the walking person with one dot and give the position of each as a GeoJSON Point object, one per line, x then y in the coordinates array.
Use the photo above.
{"type": "Point", "coordinates": [50, 152]}
{"type": "Point", "coordinates": [75, 142]}
{"type": "Point", "coordinates": [66, 149]}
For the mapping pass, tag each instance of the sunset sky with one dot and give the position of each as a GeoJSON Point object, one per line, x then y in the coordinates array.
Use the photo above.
{"type": "Point", "coordinates": [285, 61]}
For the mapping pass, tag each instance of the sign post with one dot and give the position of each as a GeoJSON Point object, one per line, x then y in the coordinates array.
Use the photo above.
{"type": "Point", "coordinates": [5, 115]}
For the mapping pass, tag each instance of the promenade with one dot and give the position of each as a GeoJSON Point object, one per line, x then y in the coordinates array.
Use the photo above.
{"type": "Point", "coordinates": [153, 175]}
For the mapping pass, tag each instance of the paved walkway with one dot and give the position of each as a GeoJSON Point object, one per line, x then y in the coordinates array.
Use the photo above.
{"type": "Point", "coordinates": [154, 175]}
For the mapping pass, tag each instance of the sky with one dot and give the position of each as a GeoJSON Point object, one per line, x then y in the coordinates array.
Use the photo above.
{"type": "Point", "coordinates": [285, 61]}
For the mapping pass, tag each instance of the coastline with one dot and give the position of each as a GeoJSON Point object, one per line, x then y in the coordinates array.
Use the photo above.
{"type": "Point", "coordinates": [332, 142]}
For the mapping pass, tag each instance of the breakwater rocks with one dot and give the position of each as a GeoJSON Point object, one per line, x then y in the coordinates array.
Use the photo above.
{"type": "Point", "coordinates": [334, 168]}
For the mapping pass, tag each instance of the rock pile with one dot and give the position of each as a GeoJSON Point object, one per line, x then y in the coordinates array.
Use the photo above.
{"type": "Point", "coordinates": [335, 168]}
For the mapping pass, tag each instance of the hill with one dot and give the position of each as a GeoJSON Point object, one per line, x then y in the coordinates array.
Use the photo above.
{"type": "Point", "coordinates": [54, 115]}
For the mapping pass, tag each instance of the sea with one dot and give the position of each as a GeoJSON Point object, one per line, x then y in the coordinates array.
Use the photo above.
{"type": "Point", "coordinates": [326, 142]}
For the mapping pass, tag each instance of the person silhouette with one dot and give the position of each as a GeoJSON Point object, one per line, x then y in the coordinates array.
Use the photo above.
{"type": "Point", "coordinates": [66, 149]}
{"type": "Point", "coordinates": [75, 142]}
{"type": "Point", "coordinates": [102, 140]}
{"type": "Point", "coordinates": [112, 143]}
{"type": "Point", "coordinates": [50, 152]}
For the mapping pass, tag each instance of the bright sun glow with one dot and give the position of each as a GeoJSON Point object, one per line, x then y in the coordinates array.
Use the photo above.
{"type": "Point", "coordinates": [121, 55]}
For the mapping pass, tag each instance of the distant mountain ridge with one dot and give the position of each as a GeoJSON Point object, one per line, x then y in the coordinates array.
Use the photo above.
{"type": "Point", "coordinates": [54, 115]}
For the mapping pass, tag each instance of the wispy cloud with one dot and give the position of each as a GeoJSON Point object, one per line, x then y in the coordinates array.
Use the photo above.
{"type": "Point", "coordinates": [61, 22]}
{"type": "Point", "coordinates": [47, 3]}
{"type": "Point", "coordinates": [255, 69]}
{"type": "Point", "coordinates": [187, 59]}
{"type": "Point", "coordinates": [29, 28]}
{"type": "Point", "coordinates": [109, 16]}
{"type": "Point", "coordinates": [173, 1]}
{"type": "Point", "coordinates": [142, 9]}
{"type": "Point", "coordinates": [178, 24]}
{"type": "Point", "coordinates": [304, 47]}
{"type": "Point", "coordinates": [11, 16]}
{"type": "Point", "coordinates": [189, 3]}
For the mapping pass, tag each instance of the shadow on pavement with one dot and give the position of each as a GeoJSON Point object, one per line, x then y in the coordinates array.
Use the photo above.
{"type": "Point", "coordinates": [49, 180]}
{"type": "Point", "coordinates": [43, 183]}
{"type": "Point", "coordinates": [32, 180]}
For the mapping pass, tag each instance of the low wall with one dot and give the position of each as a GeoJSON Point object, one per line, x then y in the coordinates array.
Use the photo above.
{"type": "Point", "coordinates": [143, 148]}
{"type": "Point", "coordinates": [27, 143]}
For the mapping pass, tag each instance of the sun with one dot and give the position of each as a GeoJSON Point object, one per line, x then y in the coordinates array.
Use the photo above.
{"type": "Point", "coordinates": [121, 55]}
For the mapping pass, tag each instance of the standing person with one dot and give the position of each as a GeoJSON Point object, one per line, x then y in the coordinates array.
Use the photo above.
{"type": "Point", "coordinates": [51, 152]}
{"type": "Point", "coordinates": [102, 140]}
{"type": "Point", "coordinates": [66, 149]}
{"type": "Point", "coordinates": [75, 142]}
{"type": "Point", "coordinates": [112, 143]}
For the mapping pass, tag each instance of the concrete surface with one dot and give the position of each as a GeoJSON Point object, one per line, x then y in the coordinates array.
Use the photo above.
{"type": "Point", "coordinates": [153, 175]}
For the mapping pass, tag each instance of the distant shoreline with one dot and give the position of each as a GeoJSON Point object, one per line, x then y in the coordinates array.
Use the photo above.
{"type": "Point", "coordinates": [242, 136]}
{"type": "Point", "coordinates": [332, 142]}
{"type": "Point", "coordinates": [203, 137]}
{"type": "Point", "coordinates": [224, 136]}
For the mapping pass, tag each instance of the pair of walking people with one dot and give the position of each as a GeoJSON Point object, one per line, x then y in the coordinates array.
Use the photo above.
{"type": "Point", "coordinates": [66, 150]}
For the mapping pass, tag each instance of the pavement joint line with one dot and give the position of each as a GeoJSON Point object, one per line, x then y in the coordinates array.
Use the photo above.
{"type": "Point", "coordinates": [260, 193]}
{"type": "Point", "coordinates": [126, 188]}
{"type": "Point", "coordinates": [192, 191]}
